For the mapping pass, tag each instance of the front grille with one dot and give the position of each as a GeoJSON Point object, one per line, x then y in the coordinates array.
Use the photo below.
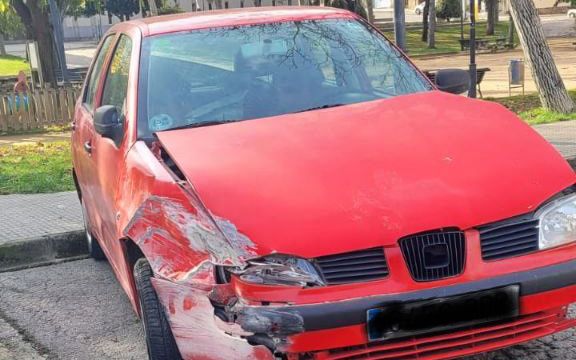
{"type": "Point", "coordinates": [452, 344]}
{"type": "Point", "coordinates": [363, 265]}
{"type": "Point", "coordinates": [508, 238]}
{"type": "Point", "coordinates": [435, 255]}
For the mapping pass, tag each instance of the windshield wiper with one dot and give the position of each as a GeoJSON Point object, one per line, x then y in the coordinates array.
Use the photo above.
{"type": "Point", "coordinates": [319, 107]}
{"type": "Point", "coordinates": [200, 124]}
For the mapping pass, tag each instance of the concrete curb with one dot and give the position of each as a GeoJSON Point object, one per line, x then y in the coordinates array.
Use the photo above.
{"type": "Point", "coordinates": [42, 250]}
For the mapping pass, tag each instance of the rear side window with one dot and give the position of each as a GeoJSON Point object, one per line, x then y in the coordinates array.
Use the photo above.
{"type": "Point", "coordinates": [92, 84]}
{"type": "Point", "coordinates": [116, 84]}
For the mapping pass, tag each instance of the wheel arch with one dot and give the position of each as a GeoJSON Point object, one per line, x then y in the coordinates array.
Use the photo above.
{"type": "Point", "coordinates": [132, 253]}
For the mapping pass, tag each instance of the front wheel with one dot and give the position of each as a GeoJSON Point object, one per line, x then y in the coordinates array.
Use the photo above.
{"type": "Point", "coordinates": [159, 339]}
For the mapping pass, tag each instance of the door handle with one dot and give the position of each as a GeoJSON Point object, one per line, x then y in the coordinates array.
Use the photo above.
{"type": "Point", "coordinates": [88, 147]}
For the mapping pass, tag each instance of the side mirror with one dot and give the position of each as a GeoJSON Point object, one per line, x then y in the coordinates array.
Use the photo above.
{"type": "Point", "coordinates": [107, 123]}
{"type": "Point", "coordinates": [454, 81]}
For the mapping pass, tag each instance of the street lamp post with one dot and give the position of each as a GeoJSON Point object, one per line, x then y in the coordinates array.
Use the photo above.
{"type": "Point", "coordinates": [472, 91]}
{"type": "Point", "coordinates": [462, 17]}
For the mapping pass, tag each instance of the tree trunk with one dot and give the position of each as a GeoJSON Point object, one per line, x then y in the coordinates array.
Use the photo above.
{"type": "Point", "coordinates": [490, 4]}
{"type": "Point", "coordinates": [365, 9]}
{"type": "Point", "coordinates": [432, 25]}
{"type": "Point", "coordinates": [511, 31]}
{"type": "Point", "coordinates": [37, 24]}
{"type": "Point", "coordinates": [425, 15]}
{"type": "Point", "coordinates": [369, 10]}
{"type": "Point", "coordinates": [551, 89]}
{"type": "Point", "coordinates": [2, 47]}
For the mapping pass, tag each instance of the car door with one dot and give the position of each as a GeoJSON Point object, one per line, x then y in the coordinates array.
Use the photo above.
{"type": "Point", "coordinates": [107, 155]}
{"type": "Point", "coordinates": [83, 133]}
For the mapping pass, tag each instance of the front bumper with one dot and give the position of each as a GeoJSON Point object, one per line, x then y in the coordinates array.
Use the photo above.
{"type": "Point", "coordinates": [353, 312]}
{"type": "Point", "coordinates": [337, 330]}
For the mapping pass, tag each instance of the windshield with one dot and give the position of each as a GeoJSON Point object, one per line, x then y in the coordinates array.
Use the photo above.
{"type": "Point", "coordinates": [212, 76]}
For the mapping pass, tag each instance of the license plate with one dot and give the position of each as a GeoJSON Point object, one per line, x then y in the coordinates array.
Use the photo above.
{"type": "Point", "coordinates": [396, 320]}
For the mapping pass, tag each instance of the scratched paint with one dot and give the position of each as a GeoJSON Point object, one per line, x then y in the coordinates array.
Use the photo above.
{"type": "Point", "coordinates": [180, 239]}
{"type": "Point", "coordinates": [196, 330]}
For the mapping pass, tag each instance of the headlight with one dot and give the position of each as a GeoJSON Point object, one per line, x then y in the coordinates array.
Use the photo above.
{"type": "Point", "coordinates": [558, 222]}
{"type": "Point", "coordinates": [280, 270]}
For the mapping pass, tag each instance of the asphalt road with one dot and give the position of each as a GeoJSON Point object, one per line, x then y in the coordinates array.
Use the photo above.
{"type": "Point", "coordinates": [76, 310]}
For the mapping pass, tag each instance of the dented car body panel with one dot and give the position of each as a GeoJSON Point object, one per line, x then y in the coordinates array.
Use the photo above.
{"type": "Point", "coordinates": [206, 205]}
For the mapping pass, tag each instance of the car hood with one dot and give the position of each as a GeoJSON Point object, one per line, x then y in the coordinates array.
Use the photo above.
{"type": "Point", "coordinates": [365, 175]}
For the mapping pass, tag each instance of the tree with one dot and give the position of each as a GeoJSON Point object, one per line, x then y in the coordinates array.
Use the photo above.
{"type": "Point", "coordinates": [551, 89]}
{"type": "Point", "coordinates": [123, 9]}
{"type": "Point", "coordinates": [10, 24]}
{"type": "Point", "coordinates": [34, 15]}
{"type": "Point", "coordinates": [92, 7]}
{"type": "Point", "coordinates": [446, 9]}
{"type": "Point", "coordinates": [357, 6]}
{"type": "Point", "coordinates": [425, 14]}
{"type": "Point", "coordinates": [432, 25]}
{"type": "Point", "coordinates": [492, 12]}
{"type": "Point", "coordinates": [511, 31]}
{"type": "Point", "coordinates": [73, 8]}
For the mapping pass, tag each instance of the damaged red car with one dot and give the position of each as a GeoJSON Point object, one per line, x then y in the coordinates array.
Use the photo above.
{"type": "Point", "coordinates": [285, 184]}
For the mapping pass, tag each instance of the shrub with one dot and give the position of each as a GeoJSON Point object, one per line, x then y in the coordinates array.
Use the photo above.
{"type": "Point", "coordinates": [446, 9]}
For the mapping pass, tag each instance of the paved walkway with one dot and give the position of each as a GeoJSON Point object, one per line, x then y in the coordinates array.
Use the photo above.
{"type": "Point", "coordinates": [33, 216]}
{"type": "Point", "coordinates": [33, 138]}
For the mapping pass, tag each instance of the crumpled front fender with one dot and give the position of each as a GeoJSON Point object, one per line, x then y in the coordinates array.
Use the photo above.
{"type": "Point", "coordinates": [179, 238]}
{"type": "Point", "coordinates": [195, 328]}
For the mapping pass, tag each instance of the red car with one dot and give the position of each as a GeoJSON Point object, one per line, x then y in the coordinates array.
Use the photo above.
{"type": "Point", "coordinates": [284, 184]}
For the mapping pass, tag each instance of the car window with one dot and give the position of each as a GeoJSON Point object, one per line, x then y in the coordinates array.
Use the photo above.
{"type": "Point", "coordinates": [255, 71]}
{"type": "Point", "coordinates": [116, 83]}
{"type": "Point", "coordinates": [92, 84]}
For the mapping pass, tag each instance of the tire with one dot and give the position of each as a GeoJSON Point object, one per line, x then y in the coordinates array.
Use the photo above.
{"type": "Point", "coordinates": [572, 15]}
{"type": "Point", "coordinates": [159, 339]}
{"type": "Point", "coordinates": [418, 12]}
{"type": "Point", "coordinates": [94, 249]}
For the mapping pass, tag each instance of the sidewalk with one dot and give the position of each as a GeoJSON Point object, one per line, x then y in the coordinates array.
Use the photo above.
{"type": "Point", "coordinates": [562, 135]}
{"type": "Point", "coordinates": [38, 215]}
{"type": "Point", "coordinates": [39, 229]}
{"type": "Point", "coordinates": [6, 140]}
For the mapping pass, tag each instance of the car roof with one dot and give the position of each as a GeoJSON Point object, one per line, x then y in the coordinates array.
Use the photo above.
{"type": "Point", "coordinates": [231, 17]}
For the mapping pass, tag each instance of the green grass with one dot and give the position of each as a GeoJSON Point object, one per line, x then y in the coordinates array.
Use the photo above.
{"type": "Point", "coordinates": [11, 65]}
{"type": "Point", "coordinates": [528, 107]}
{"type": "Point", "coordinates": [35, 168]}
{"type": "Point", "coordinates": [447, 38]}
